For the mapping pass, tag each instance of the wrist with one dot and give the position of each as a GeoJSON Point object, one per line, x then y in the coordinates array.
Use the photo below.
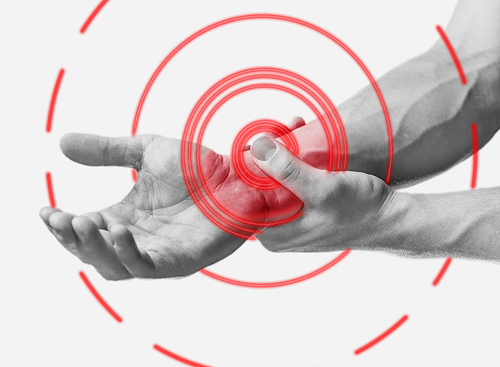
{"type": "Point", "coordinates": [429, 225]}
{"type": "Point", "coordinates": [401, 223]}
{"type": "Point", "coordinates": [241, 200]}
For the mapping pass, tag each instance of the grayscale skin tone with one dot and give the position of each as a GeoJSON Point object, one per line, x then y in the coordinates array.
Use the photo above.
{"type": "Point", "coordinates": [157, 231]}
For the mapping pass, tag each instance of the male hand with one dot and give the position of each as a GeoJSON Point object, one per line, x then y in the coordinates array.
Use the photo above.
{"type": "Point", "coordinates": [157, 230]}
{"type": "Point", "coordinates": [341, 209]}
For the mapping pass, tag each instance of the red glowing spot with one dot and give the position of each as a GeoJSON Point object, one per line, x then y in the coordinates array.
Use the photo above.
{"type": "Point", "coordinates": [381, 336]}
{"type": "Point", "coordinates": [99, 298]}
{"type": "Point", "coordinates": [475, 156]}
{"type": "Point", "coordinates": [48, 179]}
{"type": "Point", "coordinates": [92, 16]}
{"type": "Point", "coordinates": [442, 271]}
{"type": "Point", "coordinates": [177, 357]}
{"type": "Point", "coordinates": [53, 100]}
{"type": "Point", "coordinates": [453, 54]}
{"type": "Point", "coordinates": [134, 175]}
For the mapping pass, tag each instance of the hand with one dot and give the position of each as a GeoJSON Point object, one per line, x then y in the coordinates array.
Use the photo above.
{"type": "Point", "coordinates": [157, 230]}
{"type": "Point", "coordinates": [341, 209]}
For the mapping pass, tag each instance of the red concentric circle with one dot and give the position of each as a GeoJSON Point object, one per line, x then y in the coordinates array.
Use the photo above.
{"type": "Point", "coordinates": [285, 19]}
{"type": "Point", "coordinates": [195, 183]}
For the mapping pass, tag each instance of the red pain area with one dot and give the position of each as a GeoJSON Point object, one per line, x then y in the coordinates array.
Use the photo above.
{"type": "Point", "coordinates": [272, 211]}
{"type": "Point", "coordinates": [235, 206]}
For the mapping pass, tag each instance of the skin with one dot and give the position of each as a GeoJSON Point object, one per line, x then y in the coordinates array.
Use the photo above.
{"type": "Point", "coordinates": [431, 111]}
{"type": "Point", "coordinates": [359, 211]}
{"type": "Point", "coordinates": [158, 231]}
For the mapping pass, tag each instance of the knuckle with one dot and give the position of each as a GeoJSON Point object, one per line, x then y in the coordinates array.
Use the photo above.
{"type": "Point", "coordinates": [288, 173]}
{"type": "Point", "coordinates": [327, 190]}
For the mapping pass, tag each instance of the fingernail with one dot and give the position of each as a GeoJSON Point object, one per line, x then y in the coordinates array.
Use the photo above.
{"type": "Point", "coordinates": [263, 149]}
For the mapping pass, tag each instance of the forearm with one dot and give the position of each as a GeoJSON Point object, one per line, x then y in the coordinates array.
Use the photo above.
{"type": "Point", "coordinates": [461, 224]}
{"type": "Point", "coordinates": [431, 110]}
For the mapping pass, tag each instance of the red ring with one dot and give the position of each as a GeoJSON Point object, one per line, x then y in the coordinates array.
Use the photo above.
{"type": "Point", "coordinates": [255, 127]}
{"type": "Point", "coordinates": [201, 197]}
{"type": "Point", "coordinates": [286, 19]}
{"type": "Point", "coordinates": [209, 96]}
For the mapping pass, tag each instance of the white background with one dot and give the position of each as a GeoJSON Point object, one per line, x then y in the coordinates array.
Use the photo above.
{"type": "Point", "coordinates": [47, 315]}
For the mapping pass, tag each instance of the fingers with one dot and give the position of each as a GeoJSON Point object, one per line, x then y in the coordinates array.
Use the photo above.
{"type": "Point", "coordinates": [136, 260]}
{"type": "Point", "coordinates": [99, 251]}
{"type": "Point", "coordinates": [96, 218]}
{"type": "Point", "coordinates": [94, 150]}
{"type": "Point", "coordinates": [45, 214]}
{"type": "Point", "coordinates": [59, 224]}
{"type": "Point", "coordinates": [284, 167]}
{"type": "Point", "coordinates": [82, 237]}
{"type": "Point", "coordinates": [62, 230]}
{"type": "Point", "coordinates": [294, 123]}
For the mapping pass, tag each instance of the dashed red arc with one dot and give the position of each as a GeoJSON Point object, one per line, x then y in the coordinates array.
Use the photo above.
{"type": "Point", "coordinates": [475, 156]}
{"type": "Point", "coordinates": [98, 297]}
{"type": "Point", "coordinates": [53, 100]}
{"type": "Point", "coordinates": [382, 336]}
{"type": "Point", "coordinates": [442, 271]}
{"type": "Point", "coordinates": [50, 190]}
{"type": "Point", "coordinates": [92, 16]}
{"type": "Point", "coordinates": [453, 54]}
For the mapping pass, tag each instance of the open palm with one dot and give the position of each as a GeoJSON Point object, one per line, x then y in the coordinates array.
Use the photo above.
{"type": "Point", "coordinates": [157, 230]}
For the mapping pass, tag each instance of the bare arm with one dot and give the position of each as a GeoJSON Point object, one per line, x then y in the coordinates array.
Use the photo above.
{"type": "Point", "coordinates": [431, 110]}
{"type": "Point", "coordinates": [460, 224]}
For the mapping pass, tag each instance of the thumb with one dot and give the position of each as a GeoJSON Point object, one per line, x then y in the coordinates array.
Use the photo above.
{"type": "Point", "coordinates": [94, 150]}
{"type": "Point", "coordinates": [284, 167]}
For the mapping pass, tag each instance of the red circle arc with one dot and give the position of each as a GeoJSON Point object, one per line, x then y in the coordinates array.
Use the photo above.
{"type": "Point", "coordinates": [280, 18]}
{"type": "Point", "coordinates": [279, 283]}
